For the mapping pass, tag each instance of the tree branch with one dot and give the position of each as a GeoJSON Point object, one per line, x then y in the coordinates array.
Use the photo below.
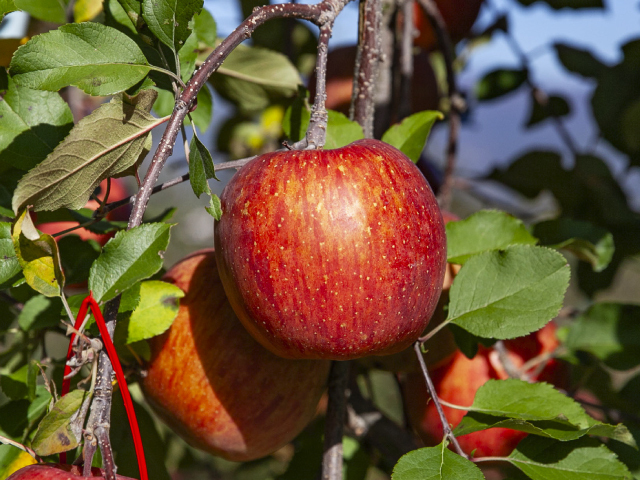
{"type": "Point", "coordinates": [455, 100]}
{"type": "Point", "coordinates": [334, 423]}
{"type": "Point", "coordinates": [364, 81]}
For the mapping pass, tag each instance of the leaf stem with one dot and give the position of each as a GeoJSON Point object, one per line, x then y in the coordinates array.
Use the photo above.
{"type": "Point", "coordinates": [22, 447]}
{"type": "Point", "coordinates": [426, 337]}
{"type": "Point", "coordinates": [446, 428]}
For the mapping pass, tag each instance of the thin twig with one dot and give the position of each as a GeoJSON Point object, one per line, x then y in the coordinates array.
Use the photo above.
{"type": "Point", "coordinates": [406, 60]}
{"type": "Point", "coordinates": [334, 423]}
{"type": "Point", "coordinates": [22, 447]}
{"type": "Point", "coordinates": [364, 82]}
{"type": "Point", "coordinates": [455, 100]}
{"type": "Point", "coordinates": [446, 428]}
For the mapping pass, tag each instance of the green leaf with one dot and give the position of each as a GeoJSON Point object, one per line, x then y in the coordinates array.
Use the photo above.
{"type": "Point", "coordinates": [9, 264]}
{"type": "Point", "coordinates": [509, 293]}
{"type": "Point", "coordinates": [17, 415]}
{"type": "Point", "coordinates": [556, 107]}
{"type": "Point", "coordinates": [38, 256]}
{"type": "Point", "coordinates": [215, 207]}
{"type": "Point", "coordinates": [61, 429]}
{"type": "Point", "coordinates": [107, 143]}
{"type": "Point", "coordinates": [584, 459]}
{"type": "Point", "coordinates": [32, 123]}
{"type": "Point", "coordinates": [435, 463]}
{"type": "Point", "coordinates": [611, 332]}
{"type": "Point", "coordinates": [86, 10]}
{"type": "Point", "coordinates": [77, 256]}
{"type": "Point", "coordinates": [7, 6]}
{"type": "Point", "coordinates": [204, 26]}
{"type": "Point", "coordinates": [98, 59]}
{"type": "Point", "coordinates": [40, 312]}
{"type": "Point", "coordinates": [155, 312]}
{"type": "Point", "coordinates": [484, 231]}
{"type": "Point", "coordinates": [200, 169]}
{"type": "Point", "coordinates": [187, 57]}
{"type": "Point", "coordinates": [202, 115]}
{"type": "Point", "coordinates": [499, 82]}
{"type": "Point", "coordinates": [558, 430]}
{"type": "Point", "coordinates": [251, 77]}
{"type": "Point", "coordinates": [410, 135]}
{"type": "Point", "coordinates": [573, 4]}
{"type": "Point", "coordinates": [169, 19]}
{"type": "Point", "coordinates": [21, 383]}
{"type": "Point", "coordinates": [127, 258]}
{"type": "Point", "coordinates": [579, 61]}
{"type": "Point", "coordinates": [47, 10]}
{"type": "Point", "coordinates": [585, 240]}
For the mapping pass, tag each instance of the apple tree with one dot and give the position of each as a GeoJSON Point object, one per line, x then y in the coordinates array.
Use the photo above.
{"type": "Point", "coordinates": [112, 359]}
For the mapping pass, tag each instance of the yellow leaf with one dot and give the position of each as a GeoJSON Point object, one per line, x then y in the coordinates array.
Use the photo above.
{"type": "Point", "coordinates": [85, 10]}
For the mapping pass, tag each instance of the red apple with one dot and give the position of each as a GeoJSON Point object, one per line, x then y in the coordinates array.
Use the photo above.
{"type": "Point", "coordinates": [117, 192]}
{"type": "Point", "coordinates": [340, 65]}
{"type": "Point", "coordinates": [458, 381]}
{"type": "Point", "coordinates": [458, 15]}
{"type": "Point", "coordinates": [215, 385]}
{"type": "Point", "coordinates": [332, 254]}
{"type": "Point", "coordinates": [441, 347]}
{"type": "Point", "coordinates": [47, 471]}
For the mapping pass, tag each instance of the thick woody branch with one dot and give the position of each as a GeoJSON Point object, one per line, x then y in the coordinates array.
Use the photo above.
{"type": "Point", "coordinates": [364, 81]}
{"type": "Point", "coordinates": [455, 100]}
{"type": "Point", "coordinates": [334, 423]}
{"type": "Point", "coordinates": [406, 60]}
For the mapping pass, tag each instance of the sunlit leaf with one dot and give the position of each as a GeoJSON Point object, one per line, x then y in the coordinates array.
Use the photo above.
{"type": "Point", "coordinates": [127, 258]}
{"type": "Point", "coordinates": [9, 265]}
{"type": "Point", "coordinates": [47, 10]}
{"type": "Point", "coordinates": [435, 463]}
{"type": "Point", "coordinates": [38, 256]}
{"type": "Point", "coordinates": [98, 59]}
{"type": "Point", "coordinates": [410, 135]}
{"type": "Point", "coordinates": [169, 19]}
{"type": "Point", "coordinates": [509, 293]}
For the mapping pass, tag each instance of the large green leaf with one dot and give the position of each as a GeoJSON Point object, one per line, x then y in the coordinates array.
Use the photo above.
{"type": "Point", "coordinates": [586, 241]}
{"type": "Point", "coordinates": [7, 6]}
{"type": "Point", "coordinates": [32, 123]}
{"type": "Point", "coordinates": [584, 459]}
{"type": "Point", "coordinates": [47, 10]}
{"type": "Point", "coordinates": [509, 293]}
{"type": "Point", "coordinates": [127, 258]}
{"type": "Point", "coordinates": [435, 463]}
{"type": "Point", "coordinates": [9, 265]}
{"type": "Point", "coordinates": [410, 135]}
{"type": "Point", "coordinates": [107, 143]}
{"type": "Point", "coordinates": [205, 28]}
{"type": "Point", "coordinates": [482, 232]}
{"type": "Point", "coordinates": [155, 310]}
{"type": "Point", "coordinates": [40, 312]}
{"type": "Point", "coordinates": [611, 332]}
{"type": "Point", "coordinates": [200, 170]}
{"type": "Point", "coordinates": [61, 429]}
{"type": "Point", "coordinates": [170, 20]}
{"type": "Point", "coordinates": [98, 59]}
{"type": "Point", "coordinates": [38, 256]}
{"type": "Point", "coordinates": [251, 76]}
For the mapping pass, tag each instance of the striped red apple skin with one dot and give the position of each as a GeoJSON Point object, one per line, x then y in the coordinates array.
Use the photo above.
{"type": "Point", "coordinates": [48, 471]}
{"type": "Point", "coordinates": [333, 254]}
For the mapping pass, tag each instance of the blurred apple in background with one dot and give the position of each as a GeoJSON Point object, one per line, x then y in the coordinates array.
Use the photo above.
{"type": "Point", "coordinates": [458, 15]}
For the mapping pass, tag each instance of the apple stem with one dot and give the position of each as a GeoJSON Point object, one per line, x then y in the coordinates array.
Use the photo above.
{"type": "Point", "coordinates": [456, 102]}
{"type": "Point", "coordinates": [436, 401]}
{"type": "Point", "coordinates": [334, 422]}
{"type": "Point", "coordinates": [366, 69]}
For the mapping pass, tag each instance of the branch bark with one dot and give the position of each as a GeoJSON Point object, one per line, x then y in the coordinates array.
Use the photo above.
{"type": "Point", "coordinates": [334, 423]}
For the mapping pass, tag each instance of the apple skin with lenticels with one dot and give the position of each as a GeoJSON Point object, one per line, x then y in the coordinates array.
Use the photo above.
{"type": "Point", "coordinates": [333, 254]}
{"type": "Point", "coordinates": [217, 387]}
{"type": "Point", "coordinates": [48, 471]}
